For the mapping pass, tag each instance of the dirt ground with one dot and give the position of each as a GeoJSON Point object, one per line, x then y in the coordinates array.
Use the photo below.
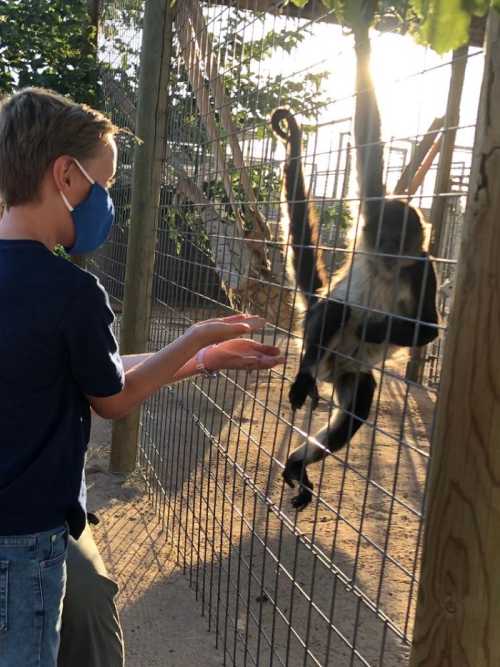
{"type": "Point", "coordinates": [334, 585]}
{"type": "Point", "coordinates": [161, 620]}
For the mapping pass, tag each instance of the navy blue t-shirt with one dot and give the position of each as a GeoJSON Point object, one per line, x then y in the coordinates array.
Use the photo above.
{"type": "Point", "coordinates": [56, 348]}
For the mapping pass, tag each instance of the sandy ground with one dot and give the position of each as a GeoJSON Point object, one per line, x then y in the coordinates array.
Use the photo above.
{"type": "Point", "coordinates": [323, 587]}
{"type": "Point", "coordinates": [160, 616]}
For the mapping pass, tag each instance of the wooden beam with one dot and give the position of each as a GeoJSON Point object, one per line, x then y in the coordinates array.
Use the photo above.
{"type": "Point", "coordinates": [421, 151]}
{"type": "Point", "coordinates": [459, 598]}
{"type": "Point", "coordinates": [423, 170]}
{"type": "Point", "coordinates": [314, 10]}
{"type": "Point", "coordinates": [439, 204]}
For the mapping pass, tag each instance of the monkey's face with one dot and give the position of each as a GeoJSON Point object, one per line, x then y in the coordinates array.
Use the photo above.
{"type": "Point", "coordinates": [394, 234]}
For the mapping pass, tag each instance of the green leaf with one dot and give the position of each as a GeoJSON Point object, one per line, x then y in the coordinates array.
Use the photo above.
{"type": "Point", "coordinates": [299, 3]}
{"type": "Point", "coordinates": [445, 24]}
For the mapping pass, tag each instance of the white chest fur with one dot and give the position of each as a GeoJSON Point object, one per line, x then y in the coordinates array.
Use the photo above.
{"type": "Point", "coordinates": [370, 291]}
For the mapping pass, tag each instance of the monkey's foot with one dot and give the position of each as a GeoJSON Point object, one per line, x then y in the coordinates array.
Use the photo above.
{"type": "Point", "coordinates": [302, 500]}
{"type": "Point", "coordinates": [295, 472]}
{"type": "Point", "coordinates": [304, 386]}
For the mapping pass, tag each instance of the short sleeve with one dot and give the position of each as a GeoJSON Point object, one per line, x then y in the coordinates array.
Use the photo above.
{"type": "Point", "coordinates": [93, 354]}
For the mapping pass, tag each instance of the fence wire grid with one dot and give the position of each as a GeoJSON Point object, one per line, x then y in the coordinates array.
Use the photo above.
{"type": "Point", "coordinates": [337, 583]}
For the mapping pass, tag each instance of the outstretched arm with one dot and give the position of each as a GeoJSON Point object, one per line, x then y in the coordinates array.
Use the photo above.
{"type": "Point", "coordinates": [235, 354]}
{"type": "Point", "coordinates": [146, 375]}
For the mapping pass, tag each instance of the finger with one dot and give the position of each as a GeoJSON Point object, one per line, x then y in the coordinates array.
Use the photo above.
{"type": "Point", "coordinates": [249, 362]}
{"type": "Point", "coordinates": [265, 363]}
{"type": "Point", "coordinates": [239, 329]}
{"type": "Point", "coordinates": [209, 321]}
{"type": "Point", "coordinates": [250, 324]}
{"type": "Point", "coordinates": [255, 323]}
{"type": "Point", "coordinates": [271, 362]}
{"type": "Point", "coordinates": [235, 318]}
{"type": "Point", "coordinates": [268, 350]}
{"type": "Point", "coordinates": [240, 317]}
{"type": "Point", "coordinates": [246, 363]}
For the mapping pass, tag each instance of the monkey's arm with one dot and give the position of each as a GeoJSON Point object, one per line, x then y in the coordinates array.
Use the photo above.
{"type": "Point", "coordinates": [369, 149]}
{"type": "Point", "coordinates": [408, 333]}
{"type": "Point", "coordinates": [324, 320]}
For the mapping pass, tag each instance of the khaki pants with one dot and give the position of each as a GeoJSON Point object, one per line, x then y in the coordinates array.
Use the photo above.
{"type": "Point", "coordinates": [91, 635]}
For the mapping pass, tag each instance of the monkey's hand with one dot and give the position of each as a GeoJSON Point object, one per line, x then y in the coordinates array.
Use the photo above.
{"type": "Point", "coordinates": [304, 386]}
{"type": "Point", "coordinates": [373, 330]}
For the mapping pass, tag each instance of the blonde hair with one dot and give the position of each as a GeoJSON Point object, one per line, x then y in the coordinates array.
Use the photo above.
{"type": "Point", "coordinates": [36, 127]}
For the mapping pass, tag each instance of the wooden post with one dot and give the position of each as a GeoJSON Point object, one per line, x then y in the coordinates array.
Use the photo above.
{"type": "Point", "coordinates": [440, 204]}
{"type": "Point", "coordinates": [151, 124]}
{"type": "Point", "coordinates": [414, 165]}
{"type": "Point", "coordinates": [459, 597]}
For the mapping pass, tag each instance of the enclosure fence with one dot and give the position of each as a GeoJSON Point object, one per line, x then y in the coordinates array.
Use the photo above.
{"type": "Point", "coordinates": [337, 583]}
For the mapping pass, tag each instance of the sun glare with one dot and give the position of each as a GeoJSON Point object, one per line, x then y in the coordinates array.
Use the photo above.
{"type": "Point", "coordinates": [411, 83]}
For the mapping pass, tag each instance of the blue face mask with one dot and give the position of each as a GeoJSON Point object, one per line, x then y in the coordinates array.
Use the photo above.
{"type": "Point", "coordinates": [92, 218]}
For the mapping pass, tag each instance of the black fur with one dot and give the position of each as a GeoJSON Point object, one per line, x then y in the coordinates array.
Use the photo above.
{"type": "Point", "coordinates": [393, 236]}
{"type": "Point", "coordinates": [309, 271]}
{"type": "Point", "coordinates": [355, 395]}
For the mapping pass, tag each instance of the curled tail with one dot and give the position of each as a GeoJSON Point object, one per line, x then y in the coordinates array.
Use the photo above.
{"type": "Point", "coordinates": [307, 262]}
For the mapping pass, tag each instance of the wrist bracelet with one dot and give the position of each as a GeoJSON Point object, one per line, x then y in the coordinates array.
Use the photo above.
{"type": "Point", "coordinates": [200, 363]}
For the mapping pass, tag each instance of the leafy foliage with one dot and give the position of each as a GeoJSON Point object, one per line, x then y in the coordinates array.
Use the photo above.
{"type": "Point", "coordinates": [335, 217]}
{"type": "Point", "coordinates": [252, 100]}
{"type": "Point", "coordinates": [49, 43]}
{"type": "Point", "coordinates": [254, 90]}
{"type": "Point", "coordinates": [61, 252]}
{"type": "Point", "coordinates": [442, 24]}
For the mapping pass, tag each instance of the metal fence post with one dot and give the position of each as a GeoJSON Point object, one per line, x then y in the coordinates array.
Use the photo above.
{"type": "Point", "coordinates": [149, 158]}
{"type": "Point", "coordinates": [459, 598]}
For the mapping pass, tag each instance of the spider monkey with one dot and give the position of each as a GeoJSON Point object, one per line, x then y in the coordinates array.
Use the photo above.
{"type": "Point", "coordinates": [374, 302]}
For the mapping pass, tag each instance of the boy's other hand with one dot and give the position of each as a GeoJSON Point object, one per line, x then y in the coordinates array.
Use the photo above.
{"type": "Point", "coordinates": [220, 329]}
{"type": "Point", "coordinates": [242, 354]}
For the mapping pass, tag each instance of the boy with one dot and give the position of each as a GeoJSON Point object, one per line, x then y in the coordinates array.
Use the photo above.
{"type": "Point", "coordinates": [59, 358]}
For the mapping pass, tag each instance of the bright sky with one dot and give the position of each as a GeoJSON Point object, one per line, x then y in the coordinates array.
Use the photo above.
{"type": "Point", "coordinates": [411, 82]}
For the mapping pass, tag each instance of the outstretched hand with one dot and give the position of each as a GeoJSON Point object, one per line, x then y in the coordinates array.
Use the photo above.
{"type": "Point", "coordinates": [242, 354]}
{"type": "Point", "coordinates": [221, 329]}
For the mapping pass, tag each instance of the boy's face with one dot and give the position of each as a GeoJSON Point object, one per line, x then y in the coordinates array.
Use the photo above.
{"type": "Point", "coordinates": [101, 168]}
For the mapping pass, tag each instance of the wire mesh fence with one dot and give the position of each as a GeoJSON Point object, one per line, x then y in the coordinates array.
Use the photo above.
{"type": "Point", "coordinates": [337, 583]}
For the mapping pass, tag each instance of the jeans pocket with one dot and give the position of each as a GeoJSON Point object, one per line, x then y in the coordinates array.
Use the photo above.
{"type": "Point", "coordinates": [4, 594]}
{"type": "Point", "coordinates": [58, 545]}
{"type": "Point", "coordinates": [52, 578]}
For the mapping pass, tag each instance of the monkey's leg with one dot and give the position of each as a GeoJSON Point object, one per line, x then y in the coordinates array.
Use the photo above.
{"type": "Point", "coordinates": [355, 395]}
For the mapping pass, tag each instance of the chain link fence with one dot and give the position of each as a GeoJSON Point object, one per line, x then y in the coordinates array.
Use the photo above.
{"type": "Point", "coordinates": [337, 583]}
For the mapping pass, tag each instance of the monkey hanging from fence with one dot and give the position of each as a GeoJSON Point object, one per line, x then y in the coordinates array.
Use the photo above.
{"type": "Point", "coordinates": [384, 298]}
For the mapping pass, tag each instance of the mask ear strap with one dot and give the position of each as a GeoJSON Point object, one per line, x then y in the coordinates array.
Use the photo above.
{"type": "Point", "coordinates": [84, 172]}
{"type": "Point", "coordinates": [65, 200]}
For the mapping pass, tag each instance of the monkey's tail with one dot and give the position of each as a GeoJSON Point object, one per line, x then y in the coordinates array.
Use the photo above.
{"type": "Point", "coordinates": [308, 265]}
{"type": "Point", "coordinates": [292, 135]}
